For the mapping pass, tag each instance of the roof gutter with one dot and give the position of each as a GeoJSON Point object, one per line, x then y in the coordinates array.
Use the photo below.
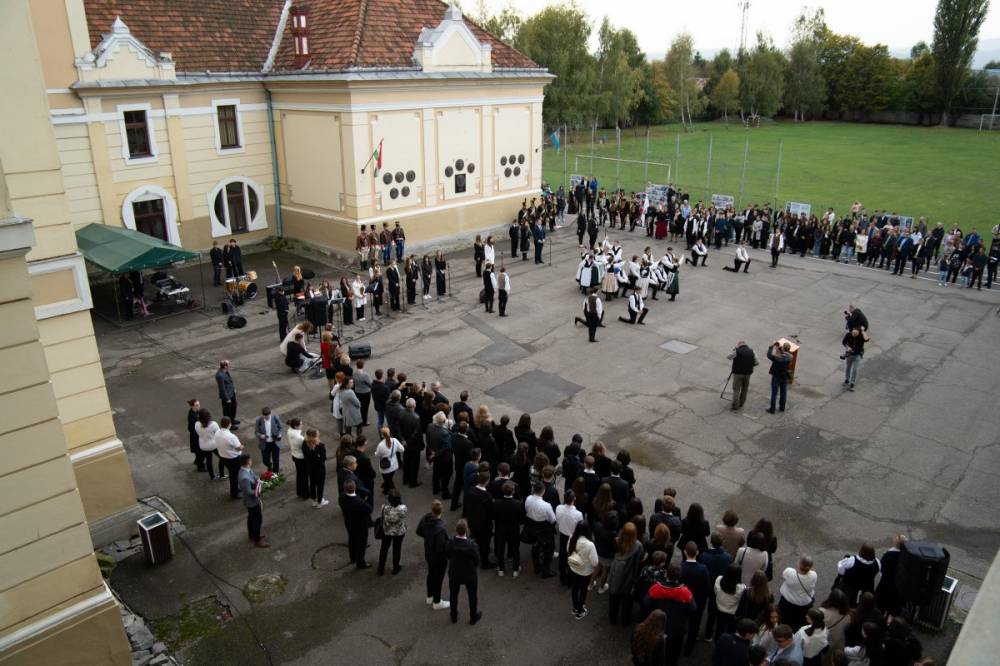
{"type": "Point", "coordinates": [279, 227]}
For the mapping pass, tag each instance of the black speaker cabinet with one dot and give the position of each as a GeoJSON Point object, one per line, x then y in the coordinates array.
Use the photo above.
{"type": "Point", "coordinates": [921, 571]}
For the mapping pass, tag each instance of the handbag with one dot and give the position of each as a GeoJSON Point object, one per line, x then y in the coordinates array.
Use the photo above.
{"type": "Point", "coordinates": [386, 462]}
{"type": "Point", "coordinates": [575, 561]}
{"type": "Point", "coordinates": [380, 526]}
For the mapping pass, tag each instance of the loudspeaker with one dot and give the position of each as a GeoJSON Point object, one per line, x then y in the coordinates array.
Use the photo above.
{"type": "Point", "coordinates": [316, 312]}
{"type": "Point", "coordinates": [921, 570]}
{"type": "Point", "coordinates": [227, 307]}
{"type": "Point", "coordinates": [359, 350]}
{"type": "Point", "coordinates": [269, 290]}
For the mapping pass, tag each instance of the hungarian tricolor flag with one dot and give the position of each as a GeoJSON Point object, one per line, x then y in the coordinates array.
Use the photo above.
{"type": "Point", "coordinates": [377, 158]}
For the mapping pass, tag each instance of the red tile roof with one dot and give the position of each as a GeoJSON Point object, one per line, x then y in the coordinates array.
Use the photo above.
{"type": "Point", "coordinates": [236, 35]}
{"type": "Point", "coordinates": [216, 35]}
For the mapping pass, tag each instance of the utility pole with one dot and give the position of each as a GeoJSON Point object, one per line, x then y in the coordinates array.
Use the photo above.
{"type": "Point", "coordinates": [777, 174]}
{"type": "Point", "coordinates": [708, 177]}
{"type": "Point", "coordinates": [743, 172]}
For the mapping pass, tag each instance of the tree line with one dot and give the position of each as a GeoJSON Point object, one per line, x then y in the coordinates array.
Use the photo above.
{"type": "Point", "coordinates": [820, 74]}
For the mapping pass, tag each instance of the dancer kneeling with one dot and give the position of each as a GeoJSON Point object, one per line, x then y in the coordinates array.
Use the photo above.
{"type": "Point", "coordinates": [742, 258]}
{"type": "Point", "coordinates": [636, 309]}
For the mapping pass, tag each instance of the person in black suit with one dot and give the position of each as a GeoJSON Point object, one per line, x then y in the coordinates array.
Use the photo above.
{"type": "Point", "coordinates": [619, 487]}
{"type": "Point", "coordinates": [413, 443]}
{"type": "Point", "coordinates": [365, 470]}
{"type": "Point", "coordinates": [439, 455]}
{"type": "Point", "coordinates": [357, 520]}
{"type": "Point", "coordinates": [591, 483]}
{"type": "Point", "coordinates": [392, 274]}
{"type": "Point", "coordinates": [695, 575]}
{"type": "Point", "coordinates": [215, 254]}
{"type": "Point", "coordinates": [347, 474]}
{"type": "Point", "coordinates": [489, 287]}
{"type": "Point", "coordinates": [734, 649]}
{"type": "Point", "coordinates": [227, 391]}
{"type": "Point", "coordinates": [855, 318]}
{"type": "Point", "coordinates": [463, 565]}
{"type": "Point", "coordinates": [478, 512]}
{"type": "Point", "coordinates": [281, 308]}
{"type": "Point", "coordinates": [461, 453]}
{"type": "Point", "coordinates": [232, 256]}
{"type": "Point", "coordinates": [194, 407]}
{"type": "Point", "coordinates": [508, 514]}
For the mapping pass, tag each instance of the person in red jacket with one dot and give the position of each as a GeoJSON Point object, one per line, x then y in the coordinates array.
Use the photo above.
{"type": "Point", "coordinates": [676, 600]}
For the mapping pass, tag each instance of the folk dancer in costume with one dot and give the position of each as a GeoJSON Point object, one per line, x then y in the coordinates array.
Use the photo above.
{"type": "Point", "coordinates": [524, 239]}
{"type": "Point", "coordinates": [399, 238]}
{"type": "Point", "coordinates": [698, 251]}
{"type": "Point", "coordinates": [637, 311]}
{"type": "Point", "coordinates": [644, 278]}
{"type": "Point", "coordinates": [373, 245]}
{"type": "Point", "coordinates": [742, 258]}
{"type": "Point", "coordinates": [588, 274]}
{"type": "Point", "coordinates": [609, 283]}
{"type": "Point", "coordinates": [632, 273]}
{"type": "Point", "coordinates": [361, 245]}
{"type": "Point", "coordinates": [503, 290]}
{"type": "Point", "coordinates": [385, 239]}
{"type": "Point", "coordinates": [489, 251]}
{"type": "Point", "coordinates": [670, 265]}
{"type": "Point", "coordinates": [776, 243]}
{"type": "Point", "coordinates": [593, 314]}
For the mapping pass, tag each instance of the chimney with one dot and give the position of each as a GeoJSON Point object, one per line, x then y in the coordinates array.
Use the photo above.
{"type": "Point", "coordinates": [300, 33]}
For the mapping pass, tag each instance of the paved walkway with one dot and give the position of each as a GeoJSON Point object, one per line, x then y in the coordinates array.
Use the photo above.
{"type": "Point", "coordinates": [916, 448]}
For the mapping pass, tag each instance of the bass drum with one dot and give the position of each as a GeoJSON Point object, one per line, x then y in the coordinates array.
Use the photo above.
{"type": "Point", "coordinates": [248, 289]}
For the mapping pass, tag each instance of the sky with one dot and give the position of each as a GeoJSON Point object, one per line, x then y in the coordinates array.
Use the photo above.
{"type": "Point", "coordinates": [714, 24]}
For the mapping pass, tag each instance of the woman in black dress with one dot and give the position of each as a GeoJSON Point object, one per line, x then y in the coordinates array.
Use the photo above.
{"type": "Point", "coordinates": [440, 272]}
{"type": "Point", "coordinates": [314, 452]}
{"type": "Point", "coordinates": [412, 271]}
{"type": "Point", "coordinates": [478, 254]}
{"type": "Point", "coordinates": [376, 287]}
{"type": "Point", "coordinates": [346, 310]}
{"type": "Point", "coordinates": [426, 270]}
{"type": "Point", "coordinates": [695, 528]}
{"type": "Point", "coordinates": [524, 433]}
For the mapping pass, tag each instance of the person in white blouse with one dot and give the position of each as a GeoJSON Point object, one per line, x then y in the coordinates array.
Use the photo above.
{"type": "Point", "coordinates": [358, 297]}
{"type": "Point", "coordinates": [582, 561]}
{"type": "Point", "coordinates": [567, 517]}
{"type": "Point", "coordinates": [206, 430]}
{"type": "Point", "coordinates": [812, 637]}
{"type": "Point", "coordinates": [489, 252]}
{"type": "Point", "coordinates": [797, 593]}
{"type": "Point", "coordinates": [295, 438]}
{"type": "Point", "coordinates": [229, 448]}
{"type": "Point", "coordinates": [742, 258]}
{"type": "Point", "coordinates": [388, 454]}
{"type": "Point", "coordinates": [503, 290]}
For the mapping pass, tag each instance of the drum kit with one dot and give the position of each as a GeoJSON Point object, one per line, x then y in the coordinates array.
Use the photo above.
{"type": "Point", "coordinates": [243, 288]}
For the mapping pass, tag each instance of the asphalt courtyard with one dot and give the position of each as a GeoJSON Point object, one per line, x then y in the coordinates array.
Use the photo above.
{"type": "Point", "coordinates": [915, 449]}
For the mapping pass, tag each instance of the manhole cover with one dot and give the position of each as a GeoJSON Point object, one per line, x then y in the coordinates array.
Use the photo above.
{"type": "Point", "coordinates": [678, 347]}
{"type": "Point", "coordinates": [331, 557]}
{"type": "Point", "coordinates": [473, 369]}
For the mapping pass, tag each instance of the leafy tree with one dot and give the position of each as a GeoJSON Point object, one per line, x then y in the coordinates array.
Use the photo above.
{"type": "Point", "coordinates": [658, 100]}
{"type": "Point", "coordinates": [992, 64]}
{"type": "Point", "coordinates": [619, 80]}
{"type": "Point", "coordinates": [762, 78]}
{"type": "Point", "coordinates": [679, 65]}
{"type": "Point", "coordinates": [871, 77]}
{"type": "Point", "coordinates": [812, 26]}
{"type": "Point", "coordinates": [956, 35]}
{"type": "Point", "coordinates": [919, 86]}
{"type": "Point", "coordinates": [919, 49]}
{"type": "Point", "coordinates": [726, 93]}
{"type": "Point", "coordinates": [556, 38]}
{"type": "Point", "coordinates": [805, 89]}
{"type": "Point", "coordinates": [836, 52]}
{"type": "Point", "coordinates": [719, 65]}
{"type": "Point", "coordinates": [504, 25]}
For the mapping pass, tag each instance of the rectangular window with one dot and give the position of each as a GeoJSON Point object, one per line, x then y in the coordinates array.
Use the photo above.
{"type": "Point", "coordinates": [237, 208]}
{"type": "Point", "coordinates": [150, 218]}
{"type": "Point", "coordinates": [137, 134]}
{"type": "Point", "coordinates": [229, 133]}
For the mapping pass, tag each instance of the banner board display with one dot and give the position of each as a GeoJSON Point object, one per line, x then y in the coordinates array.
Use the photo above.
{"type": "Point", "coordinates": [723, 201]}
{"type": "Point", "coordinates": [796, 208]}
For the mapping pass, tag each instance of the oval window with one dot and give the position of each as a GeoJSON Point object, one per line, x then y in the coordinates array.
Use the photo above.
{"type": "Point", "coordinates": [470, 167]}
{"type": "Point", "coordinates": [503, 160]}
{"type": "Point", "coordinates": [387, 178]}
{"type": "Point", "coordinates": [399, 176]}
{"type": "Point", "coordinates": [406, 191]}
{"type": "Point", "coordinates": [512, 159]}
{"type": "Point", "coordinates": [448, 172]}
{"type": "Point", "coordinates": [506, 172]}
{"type": "Point", "coordinates": [411, 176]}
{"type": "Point", "coordinates": [459, 165]}
{"type": "Point", "coordinates": [393, 193]}
{"type": "Point", "coordinates": [517, 171]}
{"type": "Point", "coordinates": [520, 159]}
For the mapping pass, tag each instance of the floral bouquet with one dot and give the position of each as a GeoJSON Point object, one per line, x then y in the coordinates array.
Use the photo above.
{"type": "Point", "coordinates": [269, 481]}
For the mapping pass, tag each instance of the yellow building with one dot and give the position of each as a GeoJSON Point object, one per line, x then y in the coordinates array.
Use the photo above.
{"type": "Point", "coordinates": [195, 122]}
{"type": "Point", "coordinates": [65, 475]}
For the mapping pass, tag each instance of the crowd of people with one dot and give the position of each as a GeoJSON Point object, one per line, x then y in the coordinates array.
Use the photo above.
{"type": "Point", "coordinates": [667, 572]}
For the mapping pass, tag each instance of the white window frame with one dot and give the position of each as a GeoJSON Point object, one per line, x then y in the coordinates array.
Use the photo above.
{"type": "Point", "coordinates": [147, 193]}
{"type": "Point", "coordinates": [216, 103]}
{"type": "Point", "coordinates": [150, 130]}
{"type": "Point", "coordinates": [221, 227]}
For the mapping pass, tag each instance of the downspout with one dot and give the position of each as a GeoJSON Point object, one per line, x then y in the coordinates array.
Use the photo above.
{"type": "Point", "coordinates": [278, 226]}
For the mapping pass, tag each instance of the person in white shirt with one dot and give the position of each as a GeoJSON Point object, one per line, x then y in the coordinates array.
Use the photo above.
{"type": "Point", "coordinates": [798, 591]}
{"type": "Point", "coordinates": [593, 314]}
{"type": "Point", "coordinates": [358, 297]}
{"type": "Point", "coordinates": [295, 438]}
{"type": "Point", "coordinates": [503, 290]}
{"type": "Point", "coordinates": [812, 637]}
{"type": "Point", "coordinates": [742, 258]}
{"type": "Point", "coordinates": [388, 454]}
{"type": "Point", "coordinates": [305, 328]}
{"type": "Point", "coordinates": [567, 517]}
{"type": "Point", "coordinates": [582, 561]}
{"type": "Point", "coordinates": [539, 519]}
{"type": "Point", "coordinates": [698, 250]}
{"type": "Point", "coordinates": [206, 430]}
{"type": "Point", "coordinates": [636, 309]}
{"type": "Point", "coordinates": [229, 448]}
{"type": "Point", "coordinates": [489, 252]}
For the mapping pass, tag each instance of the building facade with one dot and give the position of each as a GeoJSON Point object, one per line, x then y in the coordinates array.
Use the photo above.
{"type": "Point", "coordinates": [65, 483]}
{"type": "Point", "coordinates": [199, 121]}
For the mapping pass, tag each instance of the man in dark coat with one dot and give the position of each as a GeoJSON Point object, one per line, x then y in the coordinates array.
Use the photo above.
{"type": "Point", "coordinates": [233, 258]}
{"type": "Point", "coordinates": [463, 569]}
{"type": "Point", "coordinates": [393, 411]}
{"type": "Point", "coordinates": [619, 487]}
{"type": "Point", "coordinates": [676, 601]}
{"type": "Point", "coordinates": [733, 649]}
{"type": "Point", "coordinates": [716, 559]}
{"type": "Point", "coordinates": [348, 473]}
{"type": "Point", "coordinates": [781, 361]}
{"type": "Point", "coordinates": [357, 520]}
{"type": "Point", "coordinates": [508, 514]}
{"type": "Point", "coordinates": [461, 453]}
{"type": "Point", "coordinates": [695, 576]}
{"type": "Point", "coordinates": [227, 392]}
{"type": "Point", "coordinates": [281, 309]}
{"type": "Point", "coordinates": [855, 318]}
{"type": "Point", "coordinates": [215, 254]}
{"type": "Point", "coordinates": [744, 361]}
{"type": "Point", "coordinates": [439, 455]}
{"type": "Point", "coordinates": [412, 437]}
{"type": "Point", "coordinates": [478, 511]}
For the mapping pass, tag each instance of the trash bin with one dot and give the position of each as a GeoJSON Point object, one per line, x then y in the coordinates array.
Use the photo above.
{"type": "Point", "coordinates": [157, 544]}
{"type": "Point", "coordinates": [934, 614]}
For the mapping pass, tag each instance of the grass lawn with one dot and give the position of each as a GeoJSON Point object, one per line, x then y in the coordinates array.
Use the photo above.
{"type": "Point", "coordinates": [948, 175]}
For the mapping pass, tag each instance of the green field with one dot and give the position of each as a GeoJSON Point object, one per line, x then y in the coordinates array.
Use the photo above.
{"type": "Point", "coordinates": [948, 175]}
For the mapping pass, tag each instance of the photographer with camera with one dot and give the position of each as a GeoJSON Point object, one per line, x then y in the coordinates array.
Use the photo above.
{"type": "Point", "coordinates": [744, 361]}
{"type": "Point", "coordinates": [854, 350]}
{"type": "Point", "coordinates": [781, 360]}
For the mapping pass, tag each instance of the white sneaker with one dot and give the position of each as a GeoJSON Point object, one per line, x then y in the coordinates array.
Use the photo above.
{"type": "Point", "coordinates": [444, 605]}
{"type": "Point", "coordinates": [362, 319]}
{"type": "Point", "coordinates": [315, 505]}
{"type": "Point", "coordinates": [604, 588]}
{"type": "Point", "coordinates": [430, 600]}
{"type": "Point", "coordinates": [323, 503]}
{"type": "Point", "coordinates": [517, 572]}
{"type": "Point", "coordinates": [500, 572]}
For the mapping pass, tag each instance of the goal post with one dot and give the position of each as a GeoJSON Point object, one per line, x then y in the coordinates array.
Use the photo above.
{"type": "Point", "coordinates": [625, 170]}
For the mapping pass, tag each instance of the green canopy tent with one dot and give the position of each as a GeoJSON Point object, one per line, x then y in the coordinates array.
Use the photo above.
{"type": "Point", "coordinates": [118, 250]}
